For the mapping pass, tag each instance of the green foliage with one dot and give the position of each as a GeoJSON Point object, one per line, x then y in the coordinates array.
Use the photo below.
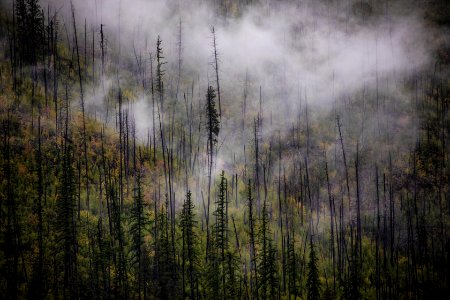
{"type": "Point", "coordinates": [139, 228]}
{"type": "Point", "coordinates": [267, 265]}
{"type": "Point", "coordinates": [292, 266]}
{"type": "Point", "coordinates": [312, 280]}
{"type": "Point", "coordinates": [212, 122]}
{"type": "Point", "coordinates": [165, 266]}
{"type": "Point", "coordinates": [220, 229]}
{"type": "Point", "coordinates": [66, 221]}
{"type": "Point", "coordinates": [159, 67]}
{"type": "Point", "coordinates": [134, 241]}
{"type": "Point", "coordinates": [189, 248]}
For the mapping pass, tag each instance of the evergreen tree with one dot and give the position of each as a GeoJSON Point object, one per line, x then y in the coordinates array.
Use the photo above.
{"type": "Point", "coordinates": [189, 253]}
{"type": "Point", "coordinates": [312, 281]}
{"type": "Point", "coordinates": [268, 279]}
{"type": "Point", "coordinates": [138, 228]}
{"type": "Point", "coordinates": [212, 273]}
{"type": "Point", "coordinates": [118, 237]}
{"type": "Point", "coordinates": [220, 233]}
{"type": "Point", "coordinates": [231, 270]}
{"type": "Point", "coordinates": [66, 221]}
{"type": "Point", "coordinates": [160, 71]}
{"type": "Point", "coordinates": [292, 265]}
{"type": "Point", "coordinates": [165, 273]}
{"type": "Point", "coordinates": [212, 127]}
{"type": "Point", "coordinates": [30, 29]}
{"type": "Point", "coordinates": [251, 221]}
{"type": "Point", "coordinates": [212, 122]}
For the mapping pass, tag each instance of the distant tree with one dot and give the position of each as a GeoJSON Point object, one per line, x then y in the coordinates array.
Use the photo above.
{"type": "Point", "coordinates": [268, 278]}
{"type": "Point", "coordinates": [312, 281]}
{"type": "Point", "coordinates": [29, 18]}
{"type": "Point", "coordinates": [138, 228]}
{"type": "Point", "coordinates": [292, 265]}
{"type": "Point", "coordinates": [232, 275]}
{"type": "Point", "coordinates": [38, 283]}
{"type": "Point", "coordinates": [221, 227]}
{"type": "Point", "coordinates": [252, 225]}
{"type": "Point", "coordinates": [165, 273]}
{"type": "Point", "coordinates": [189, 253]}
{"type": "Point", "coordinates": [212, 127]}
{"type": "Point", "coordinates": [220, 232]}
{"type": "Point", "coordinates": [82, 104]}
{"type": "Point", "coordinates": [66, 220]}
{"type": "Point", "coordinates": [118, 236]}
{"type": "Point", "coordinates": [212, 122]}
{"type": "Point", "coordinates": [9, 216]}
{"type": "Point", "coordinates": [351, 285]}
{"type": "Point", "coordinates": [213, 272]}
{"type": "Point", "coordinates": [216, 69]}
{"type": "Point", "coordinates": [160, 72]}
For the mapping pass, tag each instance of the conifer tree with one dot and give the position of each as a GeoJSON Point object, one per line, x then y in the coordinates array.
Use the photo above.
{"type": "Point", "coordinates": [221, 217]}
{"type": "Point", "coordinates": [312, 281]}
{"type": "Point", "coordinates": [220, 232]}
{"type": "Point", "coordinates": [189, 253]}
{"type": "Point", "coordinates": [66, 221]}
{"type": "Point", "coordinates": [292, 265]}
{"type": "Point", "coordinates": [232, 275]}
{"type": "Point", "coordinates": [251, 220]}
{"type": "Point", "coordinates": [212, 127]}
{"type": "Point", "coordinates": [138, 228]}
{"type": "Point", "coordinates": [166, 277]}
{"type": "Point", "coordinates": [30, 29]}
{"type": "Point", "coordinates": [268, 279]}
{"type": "Point", "coordinates": [118, 236]}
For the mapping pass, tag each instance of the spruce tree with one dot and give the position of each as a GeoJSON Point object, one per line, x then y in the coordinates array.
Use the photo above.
{"type": "Point", "coordinates": [30, 30]}
{"type": "Point", "coordinates": [268, 279]}
{"type": "Point", "coordinates": [312, 281]}
{"type": "Point", "coordinates": [118, 236]}
{"type": "Point", "coordinates": [251, 218]}
{"type": "Point", "coordinates": [220, 232]}
{"type": "Point", "coordinates": [166, 277]}
{"type": "Point", "coordinates": [66, 220]}
{"type": "Point", "coordinates": [212, 127]}
{"type": "Point", "coordinates": [138, 228]}
{"type": "Point", "coordinates": [189, 253]}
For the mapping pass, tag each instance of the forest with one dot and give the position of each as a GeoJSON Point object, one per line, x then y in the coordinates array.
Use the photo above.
{"type": "Point", "coordinates": [224, 149]}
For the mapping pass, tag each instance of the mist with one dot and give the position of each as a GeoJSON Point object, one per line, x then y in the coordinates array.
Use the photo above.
{"type": "Point", "coordinates": [278, 58]}
{"type": "Point", "coordinates": [328, 50]}
{"type": "Point", "coordinates": [232, 149]}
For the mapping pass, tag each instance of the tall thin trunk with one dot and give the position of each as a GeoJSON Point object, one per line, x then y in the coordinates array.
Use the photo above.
{"type": "Point", "coordinates": [86, 164]}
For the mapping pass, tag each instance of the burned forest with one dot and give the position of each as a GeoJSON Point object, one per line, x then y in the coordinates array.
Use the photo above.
{"type": "Point", "coordinates": [224, 149]}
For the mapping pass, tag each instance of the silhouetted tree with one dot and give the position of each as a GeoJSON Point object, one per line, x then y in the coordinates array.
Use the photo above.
{"type": "Point", "coordinates": [312, 281]}
{"type": "Point", "coordinates": [267, 269]}
{"type": "Point", "coordinates": [212, 127]}
{"type": "Point", "coordinates": [189, 253]}
{"type": "Point", "coordinates": [138, 228]}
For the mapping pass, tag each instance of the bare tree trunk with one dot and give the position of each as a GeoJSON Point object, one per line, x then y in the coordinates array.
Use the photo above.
{"type": "Point", "coordinates": [331, 204]}
{"type": "Point", "coordinates": [216, 67]}
{"type": "Point", "coordinates": [86, 164]}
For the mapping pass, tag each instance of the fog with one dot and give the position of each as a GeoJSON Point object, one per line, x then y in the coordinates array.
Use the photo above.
{"type": "Point", "coordinates": [314, 52]}
{"type": "Point", "coordinates": [319, 45]}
